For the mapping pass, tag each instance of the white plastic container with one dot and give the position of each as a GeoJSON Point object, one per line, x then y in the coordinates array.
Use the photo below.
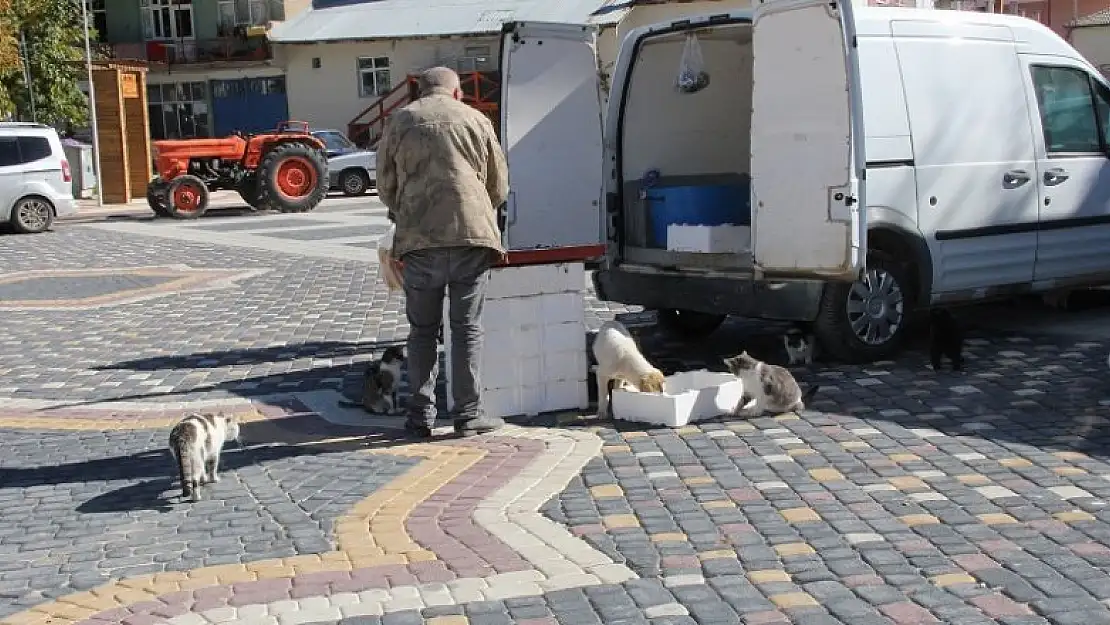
{"type": "Point", "coordinates": [725, 239]}
{"type": "Point", "coordinates": [691, 396]}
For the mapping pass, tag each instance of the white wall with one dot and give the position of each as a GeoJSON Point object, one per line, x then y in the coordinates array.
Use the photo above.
{"type": "Point", "coordinates": [328, 96]}
{"type": "Point", "coordinates": [185, 75]}
{"type": "Point", "coordinates": [1093, 42]}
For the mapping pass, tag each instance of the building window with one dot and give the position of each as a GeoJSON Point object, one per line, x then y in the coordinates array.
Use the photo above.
{"type": "Point", "coordinates": [373, 76]}
{"type": "Point", "coordinates": [98, 17]}
{"type": "Point", "coordinates": [167, 19]}
{"type": "Point", "coordinates": [178, 110]}
{"type": "Point", "coordinates": [475, 59]}
{"type": "Point", "coordinates": [242, 13]}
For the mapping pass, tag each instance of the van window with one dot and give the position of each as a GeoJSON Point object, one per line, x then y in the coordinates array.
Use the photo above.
{"type": "Point", "coordinates": [9, 151]}
{"type": "Point", "coordinates": [33, 149]}
{"type": "Point", "coordinates": [1068, 116]}
{"type": "Point", "coordinates": [1102, 105]}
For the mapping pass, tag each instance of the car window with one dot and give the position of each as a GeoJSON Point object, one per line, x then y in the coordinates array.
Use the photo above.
{"type": "Point", "coordinates": [9, 151]}
{"type": "Point", "coordinates": [33, 149]}
{"type": "Point", "coordinates": [1102, 105]}
{"type": "Point", "coordinates": [334, 141]}
{"type": "Point", "coordinates": [1067, 110]}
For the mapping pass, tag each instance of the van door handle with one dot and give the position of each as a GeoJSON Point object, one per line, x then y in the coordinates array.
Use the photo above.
{"type": "Point", "coordinates": [1015, 178]}
{"type": "Point", "coordinates": [1055, 176]}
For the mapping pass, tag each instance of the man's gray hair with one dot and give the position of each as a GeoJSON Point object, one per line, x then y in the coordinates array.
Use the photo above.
{"type": "Point", "coordinates": [441, 80]}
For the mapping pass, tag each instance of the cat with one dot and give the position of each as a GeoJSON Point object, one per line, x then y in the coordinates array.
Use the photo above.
{"type": "Point", "coordinates": [766, 387]}
{"type": "Point", "coordinates": [619, 358]}
{"type": "Point", "coordinates": [380, 383]}
{"type": "Point", "coordinates": [799, 347]}
{"type": "Point", "coordinates": [195, 443]}
{"type": "Point", "coordinates": [946, 338]}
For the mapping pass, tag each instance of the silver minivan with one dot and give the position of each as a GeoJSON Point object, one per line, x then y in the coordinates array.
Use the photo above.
{"type": "Point", "coordinates": [35, 178]}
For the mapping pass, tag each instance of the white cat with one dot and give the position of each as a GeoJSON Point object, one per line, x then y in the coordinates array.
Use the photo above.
{"type": "Point", "coordinates": [619, 358]}
{"type": "Point", "coordinates": [195, 443]}
{"type": "Point", "coordinates": [766, 387]}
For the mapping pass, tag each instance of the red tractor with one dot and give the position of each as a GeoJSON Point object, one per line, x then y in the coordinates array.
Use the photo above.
{"type": "Point", "coordinates": [285, 170]}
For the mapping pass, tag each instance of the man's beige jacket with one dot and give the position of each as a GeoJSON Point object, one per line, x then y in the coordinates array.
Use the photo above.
{"type": "Point", "coordinates": [442, 173]}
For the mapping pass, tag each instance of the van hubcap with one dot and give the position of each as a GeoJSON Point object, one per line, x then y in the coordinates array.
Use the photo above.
{"type": "Point", "coordinates": [875, 307]}
{"type": "Point", "coordinates": [34, 214]}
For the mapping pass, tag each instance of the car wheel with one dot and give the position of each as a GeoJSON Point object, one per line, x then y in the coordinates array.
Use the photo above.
{"type": "Point", "coordinates": [689, 324]}
{"type": "Point", "coordinates": [32, 215]}
{"type": "Point", "coordinates": [354, 182]}
{"type": "Point", "coordinates": [866, 320]}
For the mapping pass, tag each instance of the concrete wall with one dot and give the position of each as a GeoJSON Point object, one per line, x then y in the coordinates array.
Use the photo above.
{"type": "Point", "coordinates": [1094, 43]}
{"type": "Point", "coordinates": [328, 96]}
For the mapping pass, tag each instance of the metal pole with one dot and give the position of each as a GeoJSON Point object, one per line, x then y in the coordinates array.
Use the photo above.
{"type": "Point", "coordinates": [92, 105]}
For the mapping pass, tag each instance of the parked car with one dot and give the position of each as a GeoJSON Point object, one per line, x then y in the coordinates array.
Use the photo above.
{"type": "Point", "coordinates": [35, 179]}
{"type": "Point", "coordinates": [351, 169]}
{"type": "Point", "coordinates": [895, 159]}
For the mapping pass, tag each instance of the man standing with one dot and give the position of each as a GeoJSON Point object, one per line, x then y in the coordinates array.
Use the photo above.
{"type": "Point", "coordinates": [442, 174]}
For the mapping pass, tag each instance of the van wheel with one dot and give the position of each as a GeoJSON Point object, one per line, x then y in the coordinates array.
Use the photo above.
{"type": "Point", "coordinates": [866, 320]}
{"type": "Point", "coordinates": [689, 324]}
{"type": "Point", "coordinates": [32, 215]}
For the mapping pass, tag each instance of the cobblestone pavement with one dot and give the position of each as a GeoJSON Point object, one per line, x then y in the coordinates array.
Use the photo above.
{"type": "Point", "coordinates": [903, 497]}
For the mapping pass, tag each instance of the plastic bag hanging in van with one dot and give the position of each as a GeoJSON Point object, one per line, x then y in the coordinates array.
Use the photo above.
{"type": "Point", "coordinates": [692, 76]}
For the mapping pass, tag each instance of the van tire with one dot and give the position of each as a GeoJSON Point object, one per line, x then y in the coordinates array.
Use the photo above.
{"type": "Point", "coordinates": [354, 181]}
{"type": "Point", "coordinates": [689, 324]}
{"type": "Point", "coordinates": [32, 215]}
{"type": "Point", "coordinates": [833, 326]}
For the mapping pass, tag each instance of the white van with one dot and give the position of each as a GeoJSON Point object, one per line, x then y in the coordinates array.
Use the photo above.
{"type": "Point", "coordinates": [978, 143]}
{"type": "Point", "coordinates": [35, 179]}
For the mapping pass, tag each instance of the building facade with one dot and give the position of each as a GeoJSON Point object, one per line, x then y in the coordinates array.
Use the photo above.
{"type": "Point", "coordinates": [212, 69]}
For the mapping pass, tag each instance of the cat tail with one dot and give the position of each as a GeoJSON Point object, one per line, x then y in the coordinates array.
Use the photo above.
{"type": "Point", "coordinates": [808, 397]}
{"type": "Point", "coordinates": [186, 465]}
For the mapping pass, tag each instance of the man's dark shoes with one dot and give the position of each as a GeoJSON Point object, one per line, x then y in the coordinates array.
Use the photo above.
{"type": "Point", "coordinates": [480, 425]}
{"type": "Point", "coordinates": [418, 430]}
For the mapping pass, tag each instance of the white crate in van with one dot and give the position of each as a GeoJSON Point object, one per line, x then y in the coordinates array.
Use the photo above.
{"type": "Point", "coordinates": [725, 239]}
{"type": "Point", "coordinates": [691, 396]}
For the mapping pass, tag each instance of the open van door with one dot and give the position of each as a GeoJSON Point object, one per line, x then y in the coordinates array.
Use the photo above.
{"type": "Point", "coordinates": [551, 132]}
{"type": "Point", "coordinates": [807, 161]}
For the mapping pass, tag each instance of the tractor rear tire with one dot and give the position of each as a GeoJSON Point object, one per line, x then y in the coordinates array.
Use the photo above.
{"type": "Point", "coordinates": [187, 197]}
{"type": "Point", "coordinates": [293, 178]}
{"type": "Point", "coordinates": [157, 198]}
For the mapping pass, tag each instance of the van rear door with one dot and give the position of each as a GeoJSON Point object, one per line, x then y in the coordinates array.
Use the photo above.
{"type": "Point", "coordinates": [551, 132]}
{"type": "Point", "coordinates": [807, 162]}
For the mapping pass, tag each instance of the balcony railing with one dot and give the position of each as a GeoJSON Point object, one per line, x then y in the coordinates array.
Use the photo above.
{"type": "Point", "coordinates": [190, 51]}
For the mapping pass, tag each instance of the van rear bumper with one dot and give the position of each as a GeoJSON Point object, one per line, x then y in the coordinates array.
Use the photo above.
{"type": "Point", "coordinates": [788, 301]}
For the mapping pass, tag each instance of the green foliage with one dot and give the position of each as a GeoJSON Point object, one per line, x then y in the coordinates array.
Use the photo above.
{"type": "Point", "coordinates": [54, 34]}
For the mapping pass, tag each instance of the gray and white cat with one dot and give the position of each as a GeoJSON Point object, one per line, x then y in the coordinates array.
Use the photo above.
{"type": "Point", "coordinates": [380, 383]}
{"type": "Point", "coordinates": [766, 387]}
{"type": "Point", "coordinates": [799, 346]}
{"type": "Point", "coordinates": [196, 442]}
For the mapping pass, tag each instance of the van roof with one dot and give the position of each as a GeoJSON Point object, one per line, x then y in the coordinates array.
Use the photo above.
{"type": "Point", "coordinates": [22, 125]}
{"type": "Point", "coordinates": [1030, 35]}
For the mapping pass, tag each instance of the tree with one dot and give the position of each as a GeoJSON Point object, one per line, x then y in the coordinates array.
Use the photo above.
{"type": "Point", "coordinates": [54, 36]}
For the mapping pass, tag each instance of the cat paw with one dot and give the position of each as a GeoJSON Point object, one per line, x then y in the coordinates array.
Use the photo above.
{"type": "Point", "coordinates": [215, 478]}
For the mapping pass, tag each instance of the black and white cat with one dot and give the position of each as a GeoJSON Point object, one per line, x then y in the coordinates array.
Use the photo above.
{"type": "Point", "coordinates": [196, 442]}
{"type": "Point", "coordinates": [946, 338]}
{"type": "Point", "coordinates": [800, 346]}
{"type": "Point", "coordinates": [380, 383]}
{"type": "Point", "coordinates": [767, 388]}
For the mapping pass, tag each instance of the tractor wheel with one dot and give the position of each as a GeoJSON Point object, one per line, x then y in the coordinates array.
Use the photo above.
{"type": "Point", "coordinates": [157, 199]}
{"type": "Point", "coordinates": [293, 178]}
{"type": "Point", "coordinates": [188, 197]}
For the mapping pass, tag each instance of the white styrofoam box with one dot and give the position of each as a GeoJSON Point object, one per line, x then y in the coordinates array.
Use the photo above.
{"type": "Point", "coordinates": [563, 336]}
{"type": "Point", "coordinates": [562, 307]}
{"type": "Point", "coordinates": [691, 396]}
{"type": "Point", "coordinates": [511, 282]}
{"type": "Point", "coordinates": [708, 239]}
{"type": "Point", "coordinates": [565, 395]}
{"type": "Point", "coordinates": [564, 364]}
{"type": "Point", "coordinates": [497, 402]}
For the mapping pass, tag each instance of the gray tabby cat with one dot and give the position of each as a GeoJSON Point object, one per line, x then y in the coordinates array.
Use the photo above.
{"type": "Point", "coordinates": [766, 387]}
{"type": "Point", "coordinates": [380, 383]}
{"type": "Point", "coordinates": [195, 443]}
